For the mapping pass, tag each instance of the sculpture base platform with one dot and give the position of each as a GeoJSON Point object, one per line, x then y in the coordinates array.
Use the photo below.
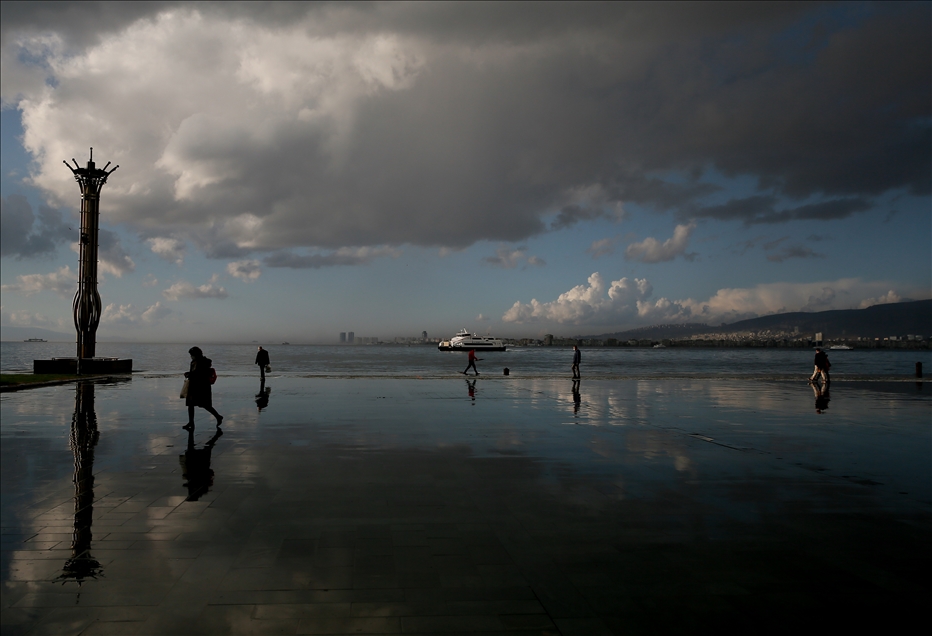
{"type": "Point", "coordinates": [88, 366]}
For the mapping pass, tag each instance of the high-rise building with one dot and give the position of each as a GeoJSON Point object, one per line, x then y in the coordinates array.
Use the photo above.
{"type": "Point", "coordinates": [350, 336]}
{"type": "Point", "coordinates": [342, 337]}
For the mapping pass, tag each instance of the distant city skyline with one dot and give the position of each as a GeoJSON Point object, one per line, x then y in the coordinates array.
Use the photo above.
{"type": "Point", "coordinates": [291, 169]}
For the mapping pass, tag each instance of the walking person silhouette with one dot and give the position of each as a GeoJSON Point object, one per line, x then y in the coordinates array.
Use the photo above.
{"type": "Point", "coordinates": [262, 359]}
{"type": "Point", "coordinates": [199, 381]}
{"type": "Point", "coordinates": [472, 362]}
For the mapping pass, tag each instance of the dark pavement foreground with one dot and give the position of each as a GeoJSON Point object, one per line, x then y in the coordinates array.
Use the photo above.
{"type": "Point", "coordinates": [500, 506]}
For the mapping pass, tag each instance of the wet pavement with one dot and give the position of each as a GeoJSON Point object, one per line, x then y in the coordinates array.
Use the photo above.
{"type": "Point", "coordinates": [488, 506]}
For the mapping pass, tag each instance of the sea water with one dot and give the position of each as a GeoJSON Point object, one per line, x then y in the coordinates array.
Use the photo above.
{"type": "Point", "coordinates": [529, 362]}
{"type": "Point", "coordinates": [378, 479]}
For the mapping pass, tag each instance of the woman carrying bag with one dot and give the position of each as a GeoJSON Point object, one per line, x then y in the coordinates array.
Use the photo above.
{"type": "Point", "coordinates": [197, 385]}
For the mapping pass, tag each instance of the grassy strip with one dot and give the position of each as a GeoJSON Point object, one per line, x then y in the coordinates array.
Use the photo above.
{"type": "Point", "coordinates": [15, 379]}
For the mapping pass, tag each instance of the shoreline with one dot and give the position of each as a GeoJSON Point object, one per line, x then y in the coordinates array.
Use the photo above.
{"type": "Point", "coordinates": [512, 377]}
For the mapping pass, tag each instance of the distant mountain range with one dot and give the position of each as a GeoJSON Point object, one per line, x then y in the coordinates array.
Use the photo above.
{"type": "Point", "coordinates": [879, 321]}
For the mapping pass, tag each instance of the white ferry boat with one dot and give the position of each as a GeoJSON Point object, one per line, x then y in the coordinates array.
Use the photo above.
{"type": "Point", "coordinates": [464, 341]}
{"type": "Point", "coordinates": [840, 347]}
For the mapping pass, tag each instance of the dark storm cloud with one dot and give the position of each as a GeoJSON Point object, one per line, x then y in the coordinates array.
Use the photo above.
{"type": "Point", "coordinates": [24, 234]}
{"type": "Point", "coordinates": [763, 209]}
{"type": "Point", "coordinates": [572, 214]}
{"type": "Point", "coordinates": [27, 235]}
{"type": "Point", "coordinates": [112, 255]}
{"type": "Point", "coordinates": [745, 209]}
{"type": "Point", "coordinates": [81, 23]}
{"type": "Point", "coordinates": [660, 194]}
{"type": "Point", "coordinates": [468, 22]}
{"type": "Point", "coordinates": [510, 258]}
{"type": "Point", "coordinates": [769, 245]}
{"type": "Point", "coordinates": [344, 256]}
{"type": "Point", "coordinates": [795, 251]}
{"type": "Point", "coordinates": [269, 127]}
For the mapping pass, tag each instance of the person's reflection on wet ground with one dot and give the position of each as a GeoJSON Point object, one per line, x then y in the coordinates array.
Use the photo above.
{"type": "Point", "coordinates": [471, 388]}
{"type": "Point", "coordinates": [262, 397]}
{"type": "Point", "coordinates": [84, 436]}
{"type": "Point", "coordinates": [195, 465]}
{"type": "Point", "coordinates": [577, 398]}
{"type": "Point", "coordinates": [822, 397]}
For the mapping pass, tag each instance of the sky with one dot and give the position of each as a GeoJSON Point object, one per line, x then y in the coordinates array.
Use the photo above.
{"type": "Point", "coordinates": [288, 171]}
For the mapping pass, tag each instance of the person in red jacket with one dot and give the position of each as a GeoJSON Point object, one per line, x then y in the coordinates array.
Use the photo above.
{"type": "Point", "coordinates": [472, 362]}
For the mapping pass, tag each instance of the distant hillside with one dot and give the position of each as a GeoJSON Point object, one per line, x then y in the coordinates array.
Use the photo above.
{"type": "Point", "coordinates": [656, 332]}
{"type": "Point", "coordinates": [879, 321]}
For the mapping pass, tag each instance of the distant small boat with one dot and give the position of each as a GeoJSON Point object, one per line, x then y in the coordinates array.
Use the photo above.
{"type": "Point", "coordinates": [660, 346]}
{"type": "Point", "coordinates": [286, 343]}
{"type": "Point", "coordinates": [35, 340]}
{"type": "Point", "coordinates": [840, 348]}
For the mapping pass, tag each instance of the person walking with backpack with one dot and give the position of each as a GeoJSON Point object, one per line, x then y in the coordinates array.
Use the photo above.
{"type": "Point", "coordinates": [200, 377]}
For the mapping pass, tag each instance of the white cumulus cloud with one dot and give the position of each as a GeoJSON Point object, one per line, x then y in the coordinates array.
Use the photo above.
{"type": "Point", "coordinates": [183, 290]}
{"type": "Point", "coordinates": [890, 297]}
{"type": "Point", "coordinates": [628, 303]}
{"type": "Point", "coordinates": [602, 247]}
{"type": "Point", "coordinates": [594, 304]}
{"type": "Point", "coordinates": [244, 270]}
{"type": "Point", "coordinates": [63, 282]}
{"type": "Point", "coordinates": [731, 304]}
{"type": "Point", "coordinates": [155, 312]}
{"type": "Point", "coordinates": [115, 314]}
{"type": "Point", "coordinates": [21, 318]}
{"type": "Point", "coordinates": [171, 249]}
{"type": "Point", "coordinates": [650, 250]}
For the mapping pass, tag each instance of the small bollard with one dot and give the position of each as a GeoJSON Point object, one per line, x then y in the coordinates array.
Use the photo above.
{"type": "Point", "coordinates": [918, 369]}
{"type": "Point", "coordinates": [507, 371]}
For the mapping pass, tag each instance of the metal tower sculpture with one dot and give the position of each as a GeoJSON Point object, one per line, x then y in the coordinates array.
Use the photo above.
{"type": "Point", "coordinates": [86, 299]}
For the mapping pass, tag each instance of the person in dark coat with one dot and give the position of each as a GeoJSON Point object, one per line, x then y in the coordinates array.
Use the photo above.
{"type": "Point", "coordinates": [262, 359]}
{"type": "Point", "coordinates": [577, 358]}
{"type": "Point", "coordinates": [822, 365]}
{"type": "Point", "coordinates": [199, 386]}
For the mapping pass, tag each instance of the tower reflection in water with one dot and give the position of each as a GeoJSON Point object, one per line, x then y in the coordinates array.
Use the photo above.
{"type": "Point", "coordinates": [84, 435]}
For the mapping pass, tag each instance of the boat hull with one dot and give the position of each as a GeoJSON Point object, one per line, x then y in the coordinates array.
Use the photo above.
{"type": "Point", "coordinates": [448, 347]}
